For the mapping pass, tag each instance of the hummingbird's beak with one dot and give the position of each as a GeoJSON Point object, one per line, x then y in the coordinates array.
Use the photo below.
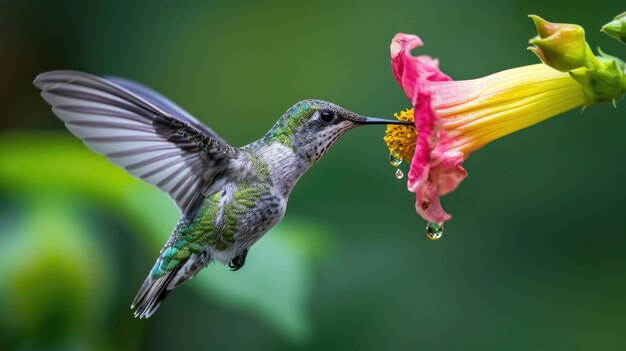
{"type": "Point", "coordinates": [374, 120]}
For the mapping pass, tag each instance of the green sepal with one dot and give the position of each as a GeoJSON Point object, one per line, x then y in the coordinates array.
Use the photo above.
{"type": "Point", "coordinates": [604, 82]}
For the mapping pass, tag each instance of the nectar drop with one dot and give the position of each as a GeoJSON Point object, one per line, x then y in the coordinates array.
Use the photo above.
{"type": "Point", "coordinates": [399, 174]}
{"type": "Point", "coordinates": [434, 231]}
{"type": "Point", "coordinates": [395, 160]}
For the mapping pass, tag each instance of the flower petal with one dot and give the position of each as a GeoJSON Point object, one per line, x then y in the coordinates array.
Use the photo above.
{"type": "Point", "coordinates": [413, 71]}
{"type": "Point", "coordinates": [435, 170]}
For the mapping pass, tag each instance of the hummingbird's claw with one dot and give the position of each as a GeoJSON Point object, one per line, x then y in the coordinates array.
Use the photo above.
{"type": "Point", "coordinates": [238, 261]}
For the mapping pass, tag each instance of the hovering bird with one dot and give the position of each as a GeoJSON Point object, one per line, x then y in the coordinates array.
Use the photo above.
{"type": "Point", "coordinates": [228, 196]}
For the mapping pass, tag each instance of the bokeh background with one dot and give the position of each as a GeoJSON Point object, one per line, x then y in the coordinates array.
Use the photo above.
{"type": "Point", "coordinates": [533, 259]}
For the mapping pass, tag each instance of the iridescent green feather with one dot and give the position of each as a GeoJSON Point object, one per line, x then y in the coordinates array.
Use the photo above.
{"type": "Point", "coordinates": [188, 237]}
{"type": "Point", "coordinates": [203, 231]}
{"type": "Point", "coordinates": [288, 123]}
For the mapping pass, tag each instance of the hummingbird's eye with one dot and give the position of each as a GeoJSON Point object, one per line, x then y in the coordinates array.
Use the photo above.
{"type": "Point", "coordinates": [327, 116]}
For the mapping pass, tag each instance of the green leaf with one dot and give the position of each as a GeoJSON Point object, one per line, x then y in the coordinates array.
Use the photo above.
{"type": "Point", "coordinates": [55, 276]}
{"type": "Point", "coordinates": [276, 280]}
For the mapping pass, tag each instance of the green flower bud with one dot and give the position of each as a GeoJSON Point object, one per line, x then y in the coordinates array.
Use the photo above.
{"type": "Point", "coordinates": [617, 28]}
{"type": "Point", "coordinates": [561, 46]}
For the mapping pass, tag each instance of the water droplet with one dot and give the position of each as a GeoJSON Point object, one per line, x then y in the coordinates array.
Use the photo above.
{"type": "Point", "coordinates": [395, 160]}
{"type": "Point", "coordinates": [399, 174]}
{"type": "Point", "coordinates": [434, 231]}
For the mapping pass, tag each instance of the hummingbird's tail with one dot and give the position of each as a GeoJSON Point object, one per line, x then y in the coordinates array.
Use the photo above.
{"type": "Point", "coordinates": [154, 291]}
{"type": "Point", "coordinates": [151, 294]}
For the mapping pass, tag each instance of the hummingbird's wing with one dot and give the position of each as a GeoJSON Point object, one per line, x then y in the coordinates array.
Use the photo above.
{"type": "Point", "coordinates": [164, 104]}
{"type": "Point", "coordinates": [142, 132]}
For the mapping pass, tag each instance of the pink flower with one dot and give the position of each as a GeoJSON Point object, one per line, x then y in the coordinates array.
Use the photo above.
{"type": "Point", "coordinates": [436, 168]}
{"type": "Point", "coordinates": [455, 118]}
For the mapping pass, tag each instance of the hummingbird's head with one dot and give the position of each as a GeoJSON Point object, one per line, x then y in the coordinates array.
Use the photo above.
{"type": "Point", "coordinates": [311, 127]}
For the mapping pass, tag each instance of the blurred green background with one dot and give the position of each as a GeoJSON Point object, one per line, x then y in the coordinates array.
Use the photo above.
{"type": "Point", "coordinates": [533, 259]}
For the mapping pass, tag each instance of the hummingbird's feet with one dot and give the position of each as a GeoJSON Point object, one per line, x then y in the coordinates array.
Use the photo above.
{"type": "Point", "coordinates": [238, 261]}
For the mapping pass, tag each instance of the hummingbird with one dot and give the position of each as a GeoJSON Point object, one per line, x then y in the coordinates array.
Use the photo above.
{"type": "Point", "coordinates": [229, 197]}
